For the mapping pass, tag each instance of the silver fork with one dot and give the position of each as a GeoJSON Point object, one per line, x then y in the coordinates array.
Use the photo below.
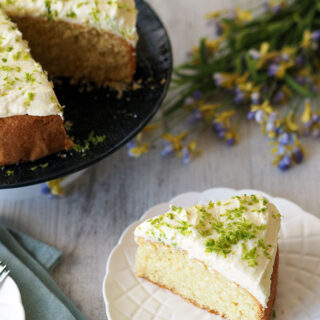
{"type": "Point", "coordinates": [4, 271]}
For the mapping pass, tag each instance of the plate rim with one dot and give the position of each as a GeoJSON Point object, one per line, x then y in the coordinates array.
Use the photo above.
{"type": "Point", "coordinates": [120, 144]}
{"type": "Point", "coordinates": [221, 189]}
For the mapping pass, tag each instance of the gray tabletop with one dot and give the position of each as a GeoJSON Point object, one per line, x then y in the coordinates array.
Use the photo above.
{"type": "Point", "coordinates": [117, 191]}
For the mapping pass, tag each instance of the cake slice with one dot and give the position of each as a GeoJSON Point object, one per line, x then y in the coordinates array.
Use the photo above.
{"type": "Point", "coordinates": [94, 40]}
{"type": "Point", "coordinates": [220, 256]}
{"type": "Point", "coordinates": [31, 122]}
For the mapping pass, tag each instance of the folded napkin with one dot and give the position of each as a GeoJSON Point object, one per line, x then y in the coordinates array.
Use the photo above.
{"type": "Point", "coordinates": [29, 261]}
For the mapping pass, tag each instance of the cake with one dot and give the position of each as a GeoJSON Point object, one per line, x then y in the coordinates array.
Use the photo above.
{"type": "Point", "coordinates": [92, 40]}
{"type": "Point", "coordinates": [221, 256]}
{"type": "Point", "coordinates": [31, 122]}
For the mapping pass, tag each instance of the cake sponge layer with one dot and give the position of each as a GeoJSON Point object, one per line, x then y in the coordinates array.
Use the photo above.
{"type": "Point", "coordinates": [78, 51]}
{"type": "Point", "coordinates": [191, 279]}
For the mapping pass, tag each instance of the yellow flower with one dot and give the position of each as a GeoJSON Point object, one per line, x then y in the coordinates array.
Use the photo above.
{"type": "Point", "coordinates": [283, 66]}
{"type": "Point", "coordinates": [243, 15]}
{"type": "Point", "coordinates": [225, 79]}
{"type": "Point", "coordinates": [175, 139]}
{"type": "Point", "coordinates": [306, 40]}
{"type": "Point", "coordinates": [224, 117]}
{"type": "Point", "coordinates": [290, 51]}
{"type": "Point", "coordinates": [265, 54]}
{"type": "Point", "coordinates": [307, 113]}
{"type": "Point", "coordinates": [213, 15]}
{"type": "Point", "coordinates": [208, 109]}
{"type": "Point", "coordinates": [305, 72]}
{"type": "Point", "coordinates": [291, 122]}
{"type": "Point", "coordinates": [276, 3]}
{"type": "Point", "coordinates": [232, 134]}
{"type": "Point", "coordinates": [151, 127]}
{"type": "Point", "coordinates": [243, 79]}
{"type": "Point", "coordinates": [192, 147]}
{"type": "Point", "coordinates": [213, 45]}
{"type": "Point", "coordinates": [264, 48]}
{"type": "Point", "coordinates": [139, 150]}
{"type": "Point", "coordinates": [249, 87]}
{"type": "Point", "coordinates": [55, 187]}
{"type": "Point", "coordinates": [141, 147]}
{"type": "Point", "coordinates": [266, 107]}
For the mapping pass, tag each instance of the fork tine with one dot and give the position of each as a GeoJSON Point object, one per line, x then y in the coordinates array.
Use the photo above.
{"type": "Point", "coordinates": [3, 270]}
{"type": "Point", "coordinates": [4, 273]}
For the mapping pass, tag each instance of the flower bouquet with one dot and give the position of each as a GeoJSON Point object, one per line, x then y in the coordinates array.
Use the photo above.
{"type": "Point", "coordinates": [264, 62]}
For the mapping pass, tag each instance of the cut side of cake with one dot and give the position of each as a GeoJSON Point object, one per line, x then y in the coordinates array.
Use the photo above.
{"type": "Point", "coordinates": [31, 122]}
{"type": "Point", "coordinates": [222, 256]}
{"type": "Point", "coordinates": [92, 40]}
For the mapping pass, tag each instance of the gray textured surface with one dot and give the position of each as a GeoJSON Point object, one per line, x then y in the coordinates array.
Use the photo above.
{"type": "Point", "coordinates": [109, 196]}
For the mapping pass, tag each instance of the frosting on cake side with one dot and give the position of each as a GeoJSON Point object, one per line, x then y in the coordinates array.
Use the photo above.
{"type": "Point", "coordinates": [24, 87]}
{"type": "Point", "coordinates": [115, 16]}
{"type": "Point", "coordinates": [237, 237]}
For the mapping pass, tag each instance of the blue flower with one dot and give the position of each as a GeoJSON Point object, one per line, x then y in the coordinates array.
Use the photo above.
{"type": "Point", "coordinates": [45, 189]}
{"type": "Point", "coordinates": [298, 155]}
{"type": "Point", "coordinates": [316, 132]}
{"type": "Point", "coordinates": [230, 142]}
{"type": "Point", "coordinates": [278, 97]}
{"type": "Point", "coordinates": [189, 101]}
{"type": "Point", "coordinates": [299, 61]}
{"type": "Point", "coordinates": [131, 145]}
{"type": "Point", "coordinates": [259, 116]}
{"type": "Point", "coordinates": [270, 126]}
{"type": "Point", "coordinates": [254, 54]}
{"type": "Point", "coordinates": [315, 118]}
{"type": "Point", "coordinates": [195, 116]}
{"type": "Point", "coordinates": [286, 138]}
{"type": "Point", "coordinates": [308, 124]}
{"type": "Point", "coordinates": [168, 148]}
{"type": "Point", "coordinates": [197, 95]}
{"type": "Point", "coordinates": [250, 115]}
{"type": "Point", "coordinates": [218, 28]}
{"type": "Point", "coordinates": [218, 79]}
{"type": "Point", "coordinates": [255, 98]}
{"type": "Point", "coordinates": [284, 163]}
{"type": "Point", "coordinates": [186, 155]}
{"type": "Point", "coordinates": [273, 69]}
{"type": "Point", "coordinates": [299, 79]}
{"type": "Point", "coordinates": [281, 149]}
{"type": "Point", "coordinates": [285, 57]}
{"type": "Point", "coordinates": [315, 35]}
{"type": "Point", "coordinates": [240, 96]}
{"type": "Point", "coordinates": [218, 126]}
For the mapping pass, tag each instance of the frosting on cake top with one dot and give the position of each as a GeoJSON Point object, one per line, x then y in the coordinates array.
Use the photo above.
{"type": "Point", "coordinates": [236, 237]}
{"type": "Point", "coordinates": [115, 16]}
{"type": "Point", "coordinates": [24, 87]}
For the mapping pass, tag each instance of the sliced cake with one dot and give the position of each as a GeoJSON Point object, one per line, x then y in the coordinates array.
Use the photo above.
{"type": "Point", "coordinates": [221, 256]}
{"type": "Point", "coordinates": [94, 40]}
{"type": "Point", "coordinates": [31, 123]}
{"type": "Point", "coordinates": [91, 40]}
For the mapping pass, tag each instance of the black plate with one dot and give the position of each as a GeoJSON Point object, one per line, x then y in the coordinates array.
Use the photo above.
{"type": "Point", "coordinates": [102, 112]}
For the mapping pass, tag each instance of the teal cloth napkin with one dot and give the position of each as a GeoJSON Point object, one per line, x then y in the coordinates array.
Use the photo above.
{"type": "Point", "coordinates": [30, 261]}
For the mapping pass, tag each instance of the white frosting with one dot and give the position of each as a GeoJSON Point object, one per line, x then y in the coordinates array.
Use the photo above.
{"type": "Point", "coordinates": [115, 16]}
{"type": "Point", "coordinates": [192, 228]}
{"type": "Point", "coordinates": [24, 87]}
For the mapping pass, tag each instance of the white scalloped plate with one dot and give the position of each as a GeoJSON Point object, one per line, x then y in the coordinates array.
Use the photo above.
{"type": "Point", "coordinates": [11, 307]}
{"type": "Point", "coordinates": [298, 297]}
